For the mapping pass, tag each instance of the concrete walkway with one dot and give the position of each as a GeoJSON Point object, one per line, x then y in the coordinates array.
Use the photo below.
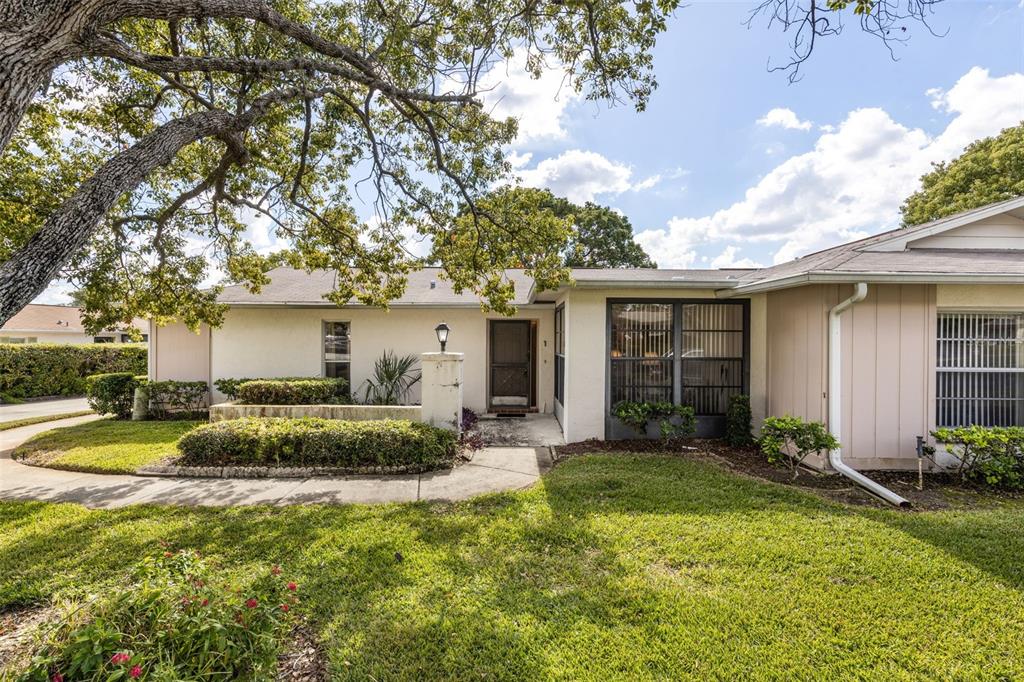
{"type": "Point", "coordinates": [492, 470]}
{"type": "Point", "coordinates": [42, 408]}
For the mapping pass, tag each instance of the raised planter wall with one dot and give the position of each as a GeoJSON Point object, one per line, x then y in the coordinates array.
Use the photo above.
{"type": "Point", "coordinates": [223, 411]}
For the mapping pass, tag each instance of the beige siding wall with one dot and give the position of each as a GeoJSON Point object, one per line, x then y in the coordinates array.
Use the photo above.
{"type": "Point", "coordinates": [179, 354]}
{"type": "Point", "coordinates": [269, 342]}
{"type": "Point", "coordinates": [586, 348]}
{"type": "Point", "coordinates": [888, 366]}
{"type": "Point", "coordinates": [980, 296]}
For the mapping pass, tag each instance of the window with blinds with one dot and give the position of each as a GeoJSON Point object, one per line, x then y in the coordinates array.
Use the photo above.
{"type": "Point", "coordinates": [980, 369]}
{"type": "Point", "coordinates": [338, 351]}
{"type": "Point", "coordinates": [641, 352]}
{"type": "Point", "coordinates": [656, 345]}
{"type": "Point", "coordinates": [712, 356]}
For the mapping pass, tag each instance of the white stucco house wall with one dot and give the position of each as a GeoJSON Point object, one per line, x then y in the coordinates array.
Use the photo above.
{"type": "Point", "coordinates": [934, 337]}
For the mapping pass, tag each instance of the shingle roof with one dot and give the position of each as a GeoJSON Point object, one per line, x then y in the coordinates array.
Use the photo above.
{"type": "Point", "coordinates": [39, 317]}
{"type": "Point", "coordinates": [46, 318]}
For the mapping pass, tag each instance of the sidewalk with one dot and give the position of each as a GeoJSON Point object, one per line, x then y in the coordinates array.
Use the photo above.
{"type": "Point", "coordinates": [492, 470]}
{"type": "Point", "coordinates": [41, 408]}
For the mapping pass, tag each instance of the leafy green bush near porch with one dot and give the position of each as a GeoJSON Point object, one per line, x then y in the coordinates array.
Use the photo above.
{"type": "Point", "coordinates": [674, 421]}
{"type": "Point", "coordinates": [42, 369]}
{"type": "Point", "coordinates": [789, 440]}
{"type": "Point", "coordinates": [312, 391]}
{"type": "Point", "coordinates": [990, 455]}
{"type": "Point", "coordinates": [278, 441]}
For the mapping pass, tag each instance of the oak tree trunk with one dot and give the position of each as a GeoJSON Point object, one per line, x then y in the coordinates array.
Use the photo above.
{"type": "Point", "coordinates": [68, 230]}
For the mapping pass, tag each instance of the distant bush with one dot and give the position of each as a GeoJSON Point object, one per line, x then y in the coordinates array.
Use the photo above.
{"type": "Point", "coordinates": [113, 393]}
{"type": "Point", "coordinates": [177, 399]}
{"type": "Point", "coordinates": [278, 441]}
{"type": "Point", "coordinates": [229, 386]}
{"type": "Point", "coordinates": [313, 391]}
{"type": "Point", "coordinates": [789, 440]}
{"type": "Point", "coordinates": [990, 455]}
{"type": "Point", "coordinates": [737, 421]}
{"type": "Point", "coordinates": [674, 421]}
{"type": "Point", "coordinates": [42, 369]}
{"type": "Point", "coordinates": [174, 618]}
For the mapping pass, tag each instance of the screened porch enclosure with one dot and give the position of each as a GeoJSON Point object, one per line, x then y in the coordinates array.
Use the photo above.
{"type": "Point", "coordinates": [681, 351]}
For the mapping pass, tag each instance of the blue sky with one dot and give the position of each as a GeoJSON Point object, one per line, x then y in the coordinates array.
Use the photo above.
{"type": "Point", "coordinates": [705, 184]}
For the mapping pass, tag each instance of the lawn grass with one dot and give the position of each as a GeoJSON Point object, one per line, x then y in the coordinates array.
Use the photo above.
{"type": "Point", "coordinates": [613, 567]}
{"type": "Point", "coordinates": [28, 421]}
{"type": "Point", "coordinates": [105, 446]}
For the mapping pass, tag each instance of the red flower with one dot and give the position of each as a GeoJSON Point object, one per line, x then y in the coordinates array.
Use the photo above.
{"type": "Point", "coordinates": [206, 602]}
{"type": "Point", "coordinates": [119, 658]}
{"type": "Point", "coordinates": [135, 672]}
{"type": "Point", "coordinates": [251, 603]}
{"type": "Point", "coordinates": [167, 555]}
{"type": "Point", "coordinates": [292, 586]}
{"type": "Point", "coordinates": [284, 607]}
{"type": "Point", "coordinates": [276, 570]}
{"type": "Point", "coordinates": [57, 677]}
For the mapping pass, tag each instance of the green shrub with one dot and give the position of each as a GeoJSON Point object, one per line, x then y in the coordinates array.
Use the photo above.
{"type": "Point", "coordinates": [229, 386]}
{"type": "Point", "coordinates": [312, 391]}
{"type": "Point", "coordinates": [177, 399]}
{"type": "Point", "coordinates": [113, 393]}
{"type": "Point", "coordinates": [737, 421]}
{"type": "Point", "coordinates": [392, 380]}
{"type": "Point", "coordinates": [990, 455]}
{"type": "Point", "coordinates": [172, 619]}
{"type": "Point", "coordinates": [278, 441]}
{"type": "Point", "coordinates": [788, 440]}
{"type": "Point", "coordinates": [41, 369]}
{"type": "Point", "coordinates": [637, 415]}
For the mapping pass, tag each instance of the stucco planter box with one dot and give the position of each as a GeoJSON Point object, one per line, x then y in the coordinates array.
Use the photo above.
{"type": "Point", "coordinates": [233, 410]}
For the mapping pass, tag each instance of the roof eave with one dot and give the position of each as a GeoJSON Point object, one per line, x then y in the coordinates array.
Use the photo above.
{"type": "Point", "coordinates": [875, 277]}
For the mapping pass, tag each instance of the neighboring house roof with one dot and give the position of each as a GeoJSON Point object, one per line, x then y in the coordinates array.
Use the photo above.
{"type": "Point", "coordinates": [59, 319]}
{"type": "Point", "coordinates": [890, 256]}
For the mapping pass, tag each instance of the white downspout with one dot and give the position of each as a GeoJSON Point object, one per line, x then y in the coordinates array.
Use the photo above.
{"type": "Point", "coordinates": [835, 399]}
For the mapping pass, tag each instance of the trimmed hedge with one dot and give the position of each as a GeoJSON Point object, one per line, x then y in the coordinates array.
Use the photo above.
{"type": "Point", "coordinates": [113, 393]}
{"type": "Point", "coordinates": [313, 391]}
{"type": "Point", "coordinates": [35, 370]}
{"type": "Point", "coordinates": [310, 442]}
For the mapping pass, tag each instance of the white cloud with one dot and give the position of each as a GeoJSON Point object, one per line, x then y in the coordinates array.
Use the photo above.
{"type": "Point", "coordinates": [852, 182]}
{"type": "Point", "coordinates": [783, 118]}
{"type": "Point", "coordinates": [728, 259]}
{"type": "Point", "coordinates": [579, 175]}
{"type": "Point", "coordinates": [647, 183]}
{"type": "Point", "coordinates": [539, 103]}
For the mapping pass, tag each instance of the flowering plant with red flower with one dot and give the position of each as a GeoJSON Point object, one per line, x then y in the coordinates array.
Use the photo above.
{"type": "Point", "coordinates": [155, 616]}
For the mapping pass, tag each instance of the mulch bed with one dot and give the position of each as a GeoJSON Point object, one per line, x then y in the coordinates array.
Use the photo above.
{"type": "Point", "coordinates": [941, 490]}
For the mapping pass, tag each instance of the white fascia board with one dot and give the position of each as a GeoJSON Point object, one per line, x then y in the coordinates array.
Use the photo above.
{"type": "Point", "coordinates": [873, 277]}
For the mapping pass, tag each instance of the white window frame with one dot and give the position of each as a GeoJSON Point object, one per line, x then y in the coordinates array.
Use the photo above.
{"type": "Point", "coordinates": [324, 362]}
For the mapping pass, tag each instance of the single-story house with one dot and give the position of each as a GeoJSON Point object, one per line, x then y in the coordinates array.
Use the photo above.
{"type": "Point", "coordinates": [885, 338]}
{"type": "Point", "coordinates": [40, 323]}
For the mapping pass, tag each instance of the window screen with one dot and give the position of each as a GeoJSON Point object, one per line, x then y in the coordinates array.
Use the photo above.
{"type": "Point", "coordinates": [980, 369]}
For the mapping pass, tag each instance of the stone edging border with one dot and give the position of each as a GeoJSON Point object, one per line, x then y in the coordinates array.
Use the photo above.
{"type": "Point", "coordinates": [175, 471]}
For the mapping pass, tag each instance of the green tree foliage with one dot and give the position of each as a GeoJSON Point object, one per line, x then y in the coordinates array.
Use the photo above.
{"type": "Point", "coordinates": [597, 236]}
{"type": "Point", "coordinates": [989, 170]}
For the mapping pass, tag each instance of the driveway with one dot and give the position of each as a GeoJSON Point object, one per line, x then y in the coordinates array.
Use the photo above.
{"type": "Point", "coordinates": [42, 408]}
{"type": "Point", "coordinates": [491, 470]}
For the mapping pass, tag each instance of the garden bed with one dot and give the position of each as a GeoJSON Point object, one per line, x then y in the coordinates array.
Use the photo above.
{"type": "Point", "coordinates": [941, 490]}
